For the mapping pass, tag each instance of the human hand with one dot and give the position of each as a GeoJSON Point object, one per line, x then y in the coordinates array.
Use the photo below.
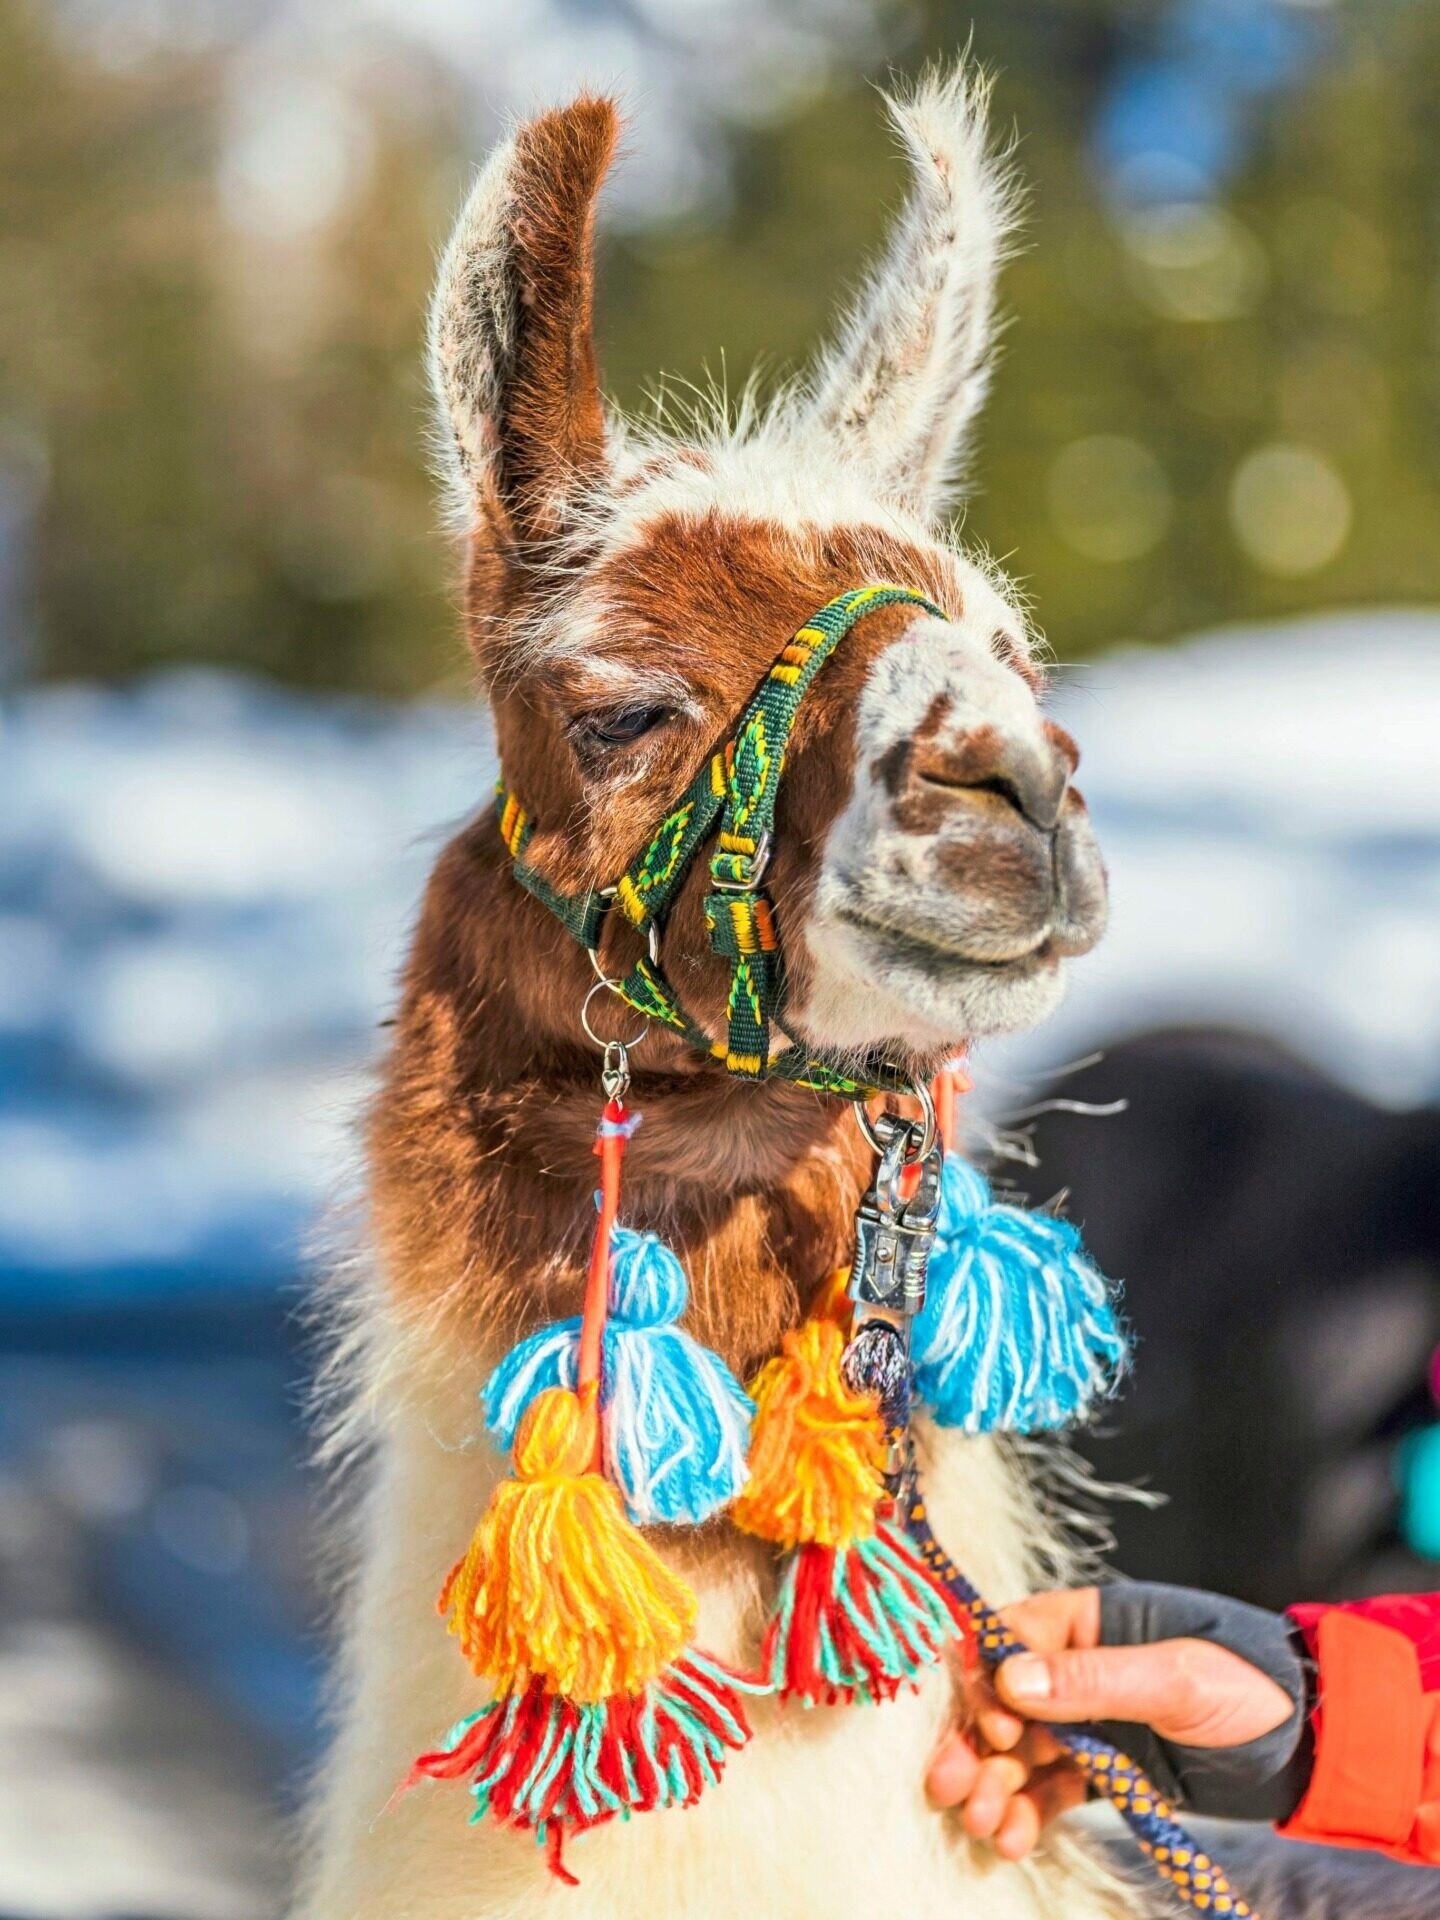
{"type": "Point", "coordinates": [1208, 1695]}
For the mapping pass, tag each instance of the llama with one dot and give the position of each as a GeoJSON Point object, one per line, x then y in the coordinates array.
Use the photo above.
{"type": "Point", "coordinates": [933, 872]}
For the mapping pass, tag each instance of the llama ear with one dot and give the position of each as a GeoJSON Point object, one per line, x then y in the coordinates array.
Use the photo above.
{"type": "Point", "coordinates": [512, 358]}
{"type": "Point", "coordinates": [900, 391]}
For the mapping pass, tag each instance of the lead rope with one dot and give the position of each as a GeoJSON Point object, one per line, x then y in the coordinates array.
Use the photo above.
{"type": "Point", "coordinates": [1175, 1856]}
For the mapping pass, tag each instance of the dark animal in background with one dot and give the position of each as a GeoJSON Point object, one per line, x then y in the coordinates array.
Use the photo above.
{"type": "Point", "coordinates": [1279, 1238]}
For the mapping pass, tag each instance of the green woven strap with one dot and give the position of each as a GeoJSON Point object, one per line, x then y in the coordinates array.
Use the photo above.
{"type": "Point", "coordinates": [582, 914]}
{"type": "Point", "coordinates": [738, 913]}
{"type": "Point", "coordinates": [738, 789]}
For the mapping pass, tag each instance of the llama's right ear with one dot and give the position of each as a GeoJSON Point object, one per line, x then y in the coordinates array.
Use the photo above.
{"type": "Point", "coordinates": [512, 358]}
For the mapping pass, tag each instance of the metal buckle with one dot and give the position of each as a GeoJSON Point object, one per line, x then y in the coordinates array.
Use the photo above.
{"type": "Point", "coordinates": [879, 1132]}
{"type": "Point", "coordinates": [758, 861]}
{"type": "Point", "coordinates": [652, 943]}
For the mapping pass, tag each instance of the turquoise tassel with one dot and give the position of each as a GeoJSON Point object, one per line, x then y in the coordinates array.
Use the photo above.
{"type": "Point", "coordinates": [675, 1421]}
{"type": "Point", "coordinates": [1019, 1332]}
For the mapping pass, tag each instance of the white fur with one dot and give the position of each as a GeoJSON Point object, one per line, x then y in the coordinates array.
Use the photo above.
{"type": "Point", "coordinates": [902, 388]}
{"type": "Point", "coordinates": [470, 335]}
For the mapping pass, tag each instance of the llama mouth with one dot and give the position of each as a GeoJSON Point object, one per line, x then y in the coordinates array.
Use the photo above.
{"type": "Point", "coordinates": [907, 947]}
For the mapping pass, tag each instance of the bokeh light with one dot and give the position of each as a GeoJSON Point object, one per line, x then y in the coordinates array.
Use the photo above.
{"type": "Point", "coordinates": [1290, 508]}
{"type": "Point", "coordinates": [1109, 497]}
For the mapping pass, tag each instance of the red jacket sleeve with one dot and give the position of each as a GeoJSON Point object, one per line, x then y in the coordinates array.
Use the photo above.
{"type": "Point", "coordinates": [1376, 1781]}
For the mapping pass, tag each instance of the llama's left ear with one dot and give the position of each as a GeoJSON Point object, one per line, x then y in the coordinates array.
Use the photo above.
{"type": "Point", "coordinates": [512, 359]}
{"type": "Point", "coordinates": [900, 391]}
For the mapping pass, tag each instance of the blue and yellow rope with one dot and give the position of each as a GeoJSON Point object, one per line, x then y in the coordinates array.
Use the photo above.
{"type": "Point", "coordinates": [1175, 1856]}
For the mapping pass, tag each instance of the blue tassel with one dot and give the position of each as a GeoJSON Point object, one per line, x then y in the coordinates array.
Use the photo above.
{"type": "Point", "coordinates": [1019, 1331]}
{"type": "Point", "coordinates": [676, 1423]}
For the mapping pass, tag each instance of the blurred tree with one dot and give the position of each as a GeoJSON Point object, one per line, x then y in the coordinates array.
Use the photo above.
{"type": "Point", "coordinates": [1214, 403]}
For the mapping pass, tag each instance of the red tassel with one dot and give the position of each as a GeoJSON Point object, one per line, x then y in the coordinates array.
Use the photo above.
{"type": "Point", "coordinates": [857, 1622]}
{"type": "Point", "coordinates": [541, 1764]}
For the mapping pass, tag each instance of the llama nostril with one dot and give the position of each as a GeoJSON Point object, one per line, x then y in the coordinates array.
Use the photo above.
{"type": "Point", "coordinates": [1032, 786]}
{"type": "Point", "coordinates": [1002, 788]}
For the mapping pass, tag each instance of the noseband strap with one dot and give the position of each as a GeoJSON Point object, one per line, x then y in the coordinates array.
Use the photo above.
{"type": "Point", "coordinates": [732, 797]}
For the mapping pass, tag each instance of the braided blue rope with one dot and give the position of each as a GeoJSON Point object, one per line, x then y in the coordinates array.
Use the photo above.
{"type": "Point", "coordinates": [1195, 1877]}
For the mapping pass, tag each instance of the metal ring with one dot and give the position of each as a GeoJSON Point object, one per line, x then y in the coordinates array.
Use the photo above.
{"type": "Point", "coordinates": [652, 941]}
{"type": "Point", "coordinates": [927, 1115]}
{"type": "Point", "coordinates": [614, 987]}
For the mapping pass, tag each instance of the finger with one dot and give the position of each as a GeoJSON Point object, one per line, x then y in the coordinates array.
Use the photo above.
{"type": "Point", "coordinates": [1043, 1749]}
{"type": "Point", "coordinates": [952, 1772]}
{"type": "Point", "coordinates": [1020, 1828]}
{"type": "Point", "coordinates": [1095, 1683]}
{"type": "Point", "coordinates": [1069, 1617]}
{"type": "Point", "coordinates": [1187, 1690]}
{"type": "Point", "coordinates": [996, 1783]}
{"type": "Point", "coordinates": [1000, 1729]}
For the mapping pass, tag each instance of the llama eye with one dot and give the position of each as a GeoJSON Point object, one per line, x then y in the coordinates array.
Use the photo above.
{"type": "Point", "coordinates": [621, 727]}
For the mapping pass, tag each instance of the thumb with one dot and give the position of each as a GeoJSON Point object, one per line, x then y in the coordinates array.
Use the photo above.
{"type": "Point", "coordinates": [1156, 1685]}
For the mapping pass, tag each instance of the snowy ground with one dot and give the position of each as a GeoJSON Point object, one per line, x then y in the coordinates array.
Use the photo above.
{"type": "Point", "coordinates": [205, 887]}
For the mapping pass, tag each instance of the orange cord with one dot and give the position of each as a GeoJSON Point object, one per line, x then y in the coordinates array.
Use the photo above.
{"type": "Point", "coordinates": [950, 1083]}
{"type": "Point", "coordinates": [610, 1146]}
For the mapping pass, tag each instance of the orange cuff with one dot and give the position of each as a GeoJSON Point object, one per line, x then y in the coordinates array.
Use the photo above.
{"type": "Point", "coordinates": [1370, 1733]}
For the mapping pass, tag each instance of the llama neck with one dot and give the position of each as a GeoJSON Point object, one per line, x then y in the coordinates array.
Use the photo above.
{"type": "Point", "coordinates": [482, 1137]}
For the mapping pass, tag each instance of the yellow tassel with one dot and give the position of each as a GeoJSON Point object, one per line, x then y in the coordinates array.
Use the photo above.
{"type": "Point", "coordinates": [817, 1449]}
{"type": "Point", "coordinates": [557, 1581]}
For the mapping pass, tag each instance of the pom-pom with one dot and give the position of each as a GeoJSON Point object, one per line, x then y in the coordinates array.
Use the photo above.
{"type": "Point", "coordinates": [557, 1582]}
{"type": "Point", "coordinates": [551, 1766]}
{"type": "Point", "coordinates": [676, 1423]}
{"type": "Point", "coordinates": [857, 1622]}
{"type": "Point", "coordinates": [1019, 1331]}
{"type": "Point", "coordinates": [817, 1452]}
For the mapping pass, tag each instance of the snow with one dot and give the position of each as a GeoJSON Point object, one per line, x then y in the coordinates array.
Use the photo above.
{"type": "Point", "coordinates": [206, 886]}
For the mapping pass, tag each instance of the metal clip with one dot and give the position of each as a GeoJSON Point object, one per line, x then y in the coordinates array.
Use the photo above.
{"type": "Point", "coordinates": [615, 1072]}
{"type": "Point", "coordinates": [894, 1236]}
{"type": "Point", "coordinates": [757, 863]}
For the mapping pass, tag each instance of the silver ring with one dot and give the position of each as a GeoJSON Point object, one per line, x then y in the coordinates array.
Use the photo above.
{"type": "Point", "coordinates": [652, 941]}
{"type": "Point", "coordinates": [927, 1114]}
{"type": "Point", "coordinates": [613, 986]}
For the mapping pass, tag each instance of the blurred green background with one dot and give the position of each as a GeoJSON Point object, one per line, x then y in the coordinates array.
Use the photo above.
{"type": "Point", "coordinates": [1220, 396]}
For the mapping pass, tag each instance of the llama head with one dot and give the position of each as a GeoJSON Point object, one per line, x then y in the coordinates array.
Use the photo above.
{"type": "Point", "coordinates": [933, 866]}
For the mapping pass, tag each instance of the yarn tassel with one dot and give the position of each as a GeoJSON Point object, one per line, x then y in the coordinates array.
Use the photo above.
{"type": "Point", "coordinates": [857, 1615]}
{"type": "Point", "coordinates": [557, 1581]}
{"type": "Point", "coordinates": [553, 1766]}
{"type": "Point", "coordinates": [1019, 1332]}
{"type": "Point", "coordinates": [599, 1706]}
{"type": "Point", "coordinates": [675, 1423]}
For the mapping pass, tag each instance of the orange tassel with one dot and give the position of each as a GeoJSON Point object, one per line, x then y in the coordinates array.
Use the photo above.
{"type": "Point", "coordinates": [817, 1449]}
{"type": "Point", "coordinates": [558, 1583]}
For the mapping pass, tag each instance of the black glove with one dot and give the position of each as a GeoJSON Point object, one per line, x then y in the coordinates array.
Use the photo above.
{"type": "Point", "coordinates": [1264, 1779]}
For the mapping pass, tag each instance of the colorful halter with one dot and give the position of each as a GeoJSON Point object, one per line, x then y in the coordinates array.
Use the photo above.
{"type": "Point", "coordinates": [600, 1704]}
{"type": "Point", "coordinates": [737, 789]}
